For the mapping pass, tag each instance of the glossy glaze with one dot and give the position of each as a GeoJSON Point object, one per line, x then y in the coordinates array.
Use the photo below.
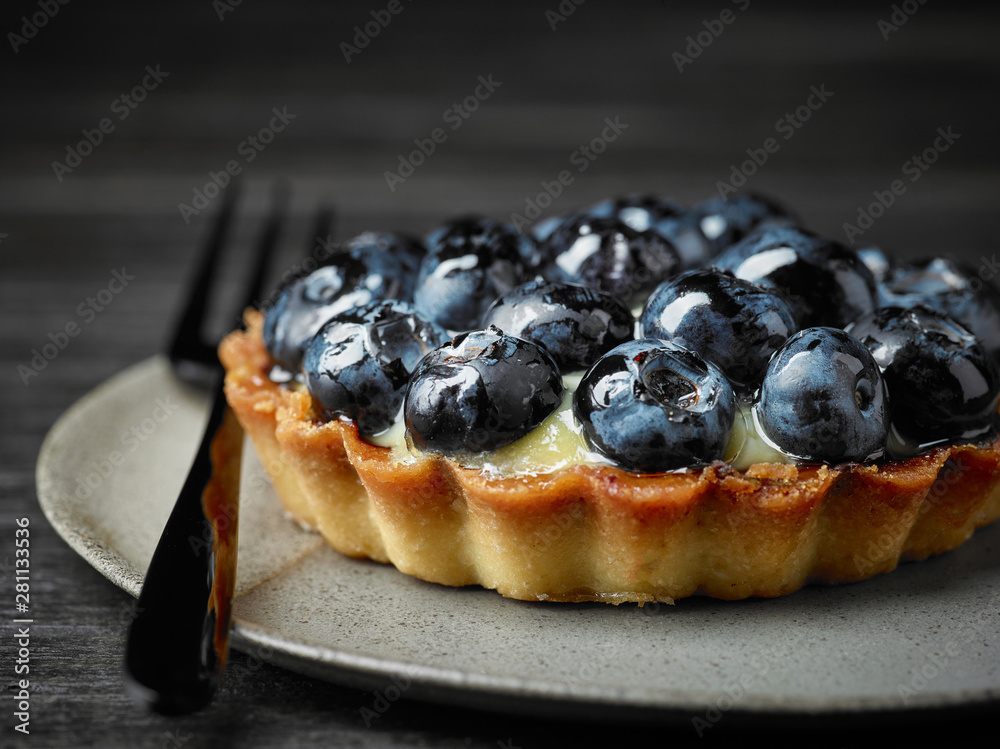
{"type": "Point", "coordinates": [359, 363]}
{"type": "Point", "coordinates": [574, 323]}
{"type": "Point", "coordinates": [823, 399]}
{"type": "Point", "coordinates": [609, 255]}
{"type": "Point", "coordinates": [479, 392]}
{"type": "Point", "coordinates": [663, 217]}
{"type": "Point", "coordinates": [735, 324]}
{"type": "Point", "coordinates": [469, 263]}
{"type": "Point", "coordinates": [303, 304]}
{"type": "Point", "coordinates": [825, 282]}
{"type": "Point", "coordinates": [654, 406]}
{"type": "Point", "coordinates": [725, 221]}
{"type": "Point", "coordinates": [942, 384]}
{"type": "Point", "coordinates": [957, 290]}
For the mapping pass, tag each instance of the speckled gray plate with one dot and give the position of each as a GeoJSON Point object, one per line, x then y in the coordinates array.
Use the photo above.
{"type": "Point", "coordinates": [927, 635]}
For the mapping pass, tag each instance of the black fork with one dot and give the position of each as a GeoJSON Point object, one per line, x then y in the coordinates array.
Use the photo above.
{"type": "Point", "coordinates": [178, 642]}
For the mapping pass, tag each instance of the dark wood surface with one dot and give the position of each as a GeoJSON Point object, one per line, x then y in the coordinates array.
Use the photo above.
{"type": "Point", "coordinates": [887, 93]}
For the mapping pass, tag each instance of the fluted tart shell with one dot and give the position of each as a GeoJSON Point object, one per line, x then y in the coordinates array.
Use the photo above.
{"type": "Point", "coordinates": [598, 533]}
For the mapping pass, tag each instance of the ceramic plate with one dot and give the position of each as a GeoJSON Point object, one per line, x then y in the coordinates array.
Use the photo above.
{"type": "Point", "coordinates": [927, 635]}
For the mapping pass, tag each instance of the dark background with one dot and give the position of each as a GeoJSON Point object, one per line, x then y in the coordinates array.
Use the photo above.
{"type": "Point", "coordinates": [687, 130]}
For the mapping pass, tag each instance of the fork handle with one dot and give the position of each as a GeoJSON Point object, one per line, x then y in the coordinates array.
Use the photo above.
{"type": "Point", "coordinates": [179, 639]}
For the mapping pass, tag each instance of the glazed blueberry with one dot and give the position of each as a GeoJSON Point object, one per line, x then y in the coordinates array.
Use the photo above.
{"type": "Point", "coordinates": [953, 289]}
{"type": "Point", "coordinates": [654, 406]}
{"type": "Point", "coordinates": [733, 323]}
{"type": "Point", "coordinates": [359, 363]}
{"type": "Point", "coordinates": [942, 384]}
{"type": "Point", "coordinates": [370, 267]}
{"type": "Point", "coordinates": [609, 255]}
{"type": "Point", "coordinates": [479, 392]}
{"type": "Point", "coordinates": [823, 399]}
{"type": "Point", "coordinates": [825, 282]}
{"type": "Point", "coordinates": [662, 216]}
{"type": "Point", "coordinates": [459, 234]}
{"type": "Point", "coordinates": [544, 228]}
{"type": "Point", "coordinates": [305, 303]}
{"type": "Point", "coordinates": [391, 258]}
{"type": "Point", "coordinates": [882, 264]}
{"type": "Point", "coordinates": [926, 279]}
{"type": "Point", "coordinates": [725, 221]}
{"type": "Point", "coordinates": [469, 263]}
{"type": "Point", "coordinates": [574, 323]}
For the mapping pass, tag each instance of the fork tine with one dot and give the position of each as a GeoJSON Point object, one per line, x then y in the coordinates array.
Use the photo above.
{"type": "Point", "coordinates": [318, 237]}
{"type": "Point", "coordinates": [187, 344]}
{"type": "Point", "coordinates": [264, 250]}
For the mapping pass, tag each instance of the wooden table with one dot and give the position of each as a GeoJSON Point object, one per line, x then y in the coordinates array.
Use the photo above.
{"type": "Point", "coordinates": [145, 108]}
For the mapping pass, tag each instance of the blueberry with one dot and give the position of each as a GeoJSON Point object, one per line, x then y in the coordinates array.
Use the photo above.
{"type": "Point", "coordinates": [662, 216]}
{"type": "Point", "coordinates": [942, 384]}
{"type": "Point", "coordinates": [725, 221]}
{"type": "Point", "coordinates": [654, 406]}
{"type": "Point", "coordinates": [823, 399]}
{"type": "Point", "coordinates": [544, 228]}
{"type": "Point", "coordinates": [472, 231]}
{"type": "Point", "coordinates": [359, 363]}
{"type": "Point", "coordinates": [882, 263]}
{"type": "Point", "coordinates": [733, 323]}
{"type": "Point", "coordinates": [825, 282]}
{"type": "Point", "coordinates": [954, 289]}
{"type": "Point", "coordinates": [469, 263]}
{"type": "Point", "coordinates": [926, 279]}
{"type": "Point", "coordinates": [574, 323]}
{"type": "Point", "coordinates": [609, 255]}
{"type": "Point", "coordinates": [479, 392]}
{"type": "Point", "coordinates": [370, 267]}
{"type": "Point", "coordinates": [392, 258]}
{"type": "Point", "coordinates": [305, 303]}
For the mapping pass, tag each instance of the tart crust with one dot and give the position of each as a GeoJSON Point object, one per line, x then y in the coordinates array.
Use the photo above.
{"type": "Point", "coordinates": [598, 533]}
